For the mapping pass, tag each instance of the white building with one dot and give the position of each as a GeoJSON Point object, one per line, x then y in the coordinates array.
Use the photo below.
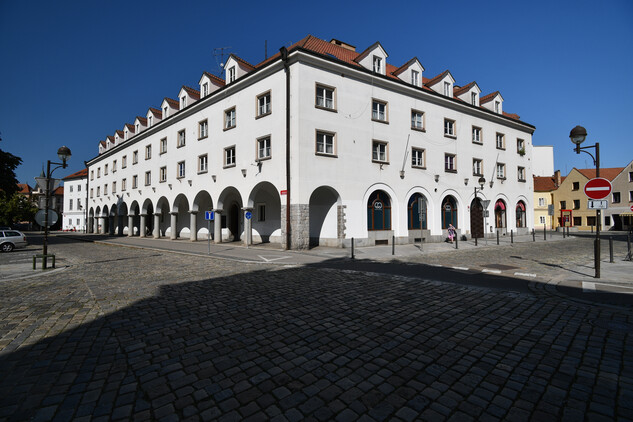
{"type": "Point", "coordinates": [543, 160]}
{"type": "Point", "coordinates": [347, 140]}
{"type": "Point", "coordinates": [75, 196]}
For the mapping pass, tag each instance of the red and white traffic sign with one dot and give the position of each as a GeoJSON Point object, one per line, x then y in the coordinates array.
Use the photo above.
{"type": "Point", "coordinates": [598, 188]}
{"type": "Point", "coordinates": [631, 207]}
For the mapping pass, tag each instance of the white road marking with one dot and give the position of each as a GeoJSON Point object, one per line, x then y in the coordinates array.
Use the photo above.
{"type": "Point", "coordinates": [525, 274]}
{"type": "Point", "coordinates": [273, 259]}
{"type": "Point", "coordinates": [461, 268]}
{"type": "Point", "coordinates": [486, 270]}
{"type": "Point", "coordinates": [588, 287]}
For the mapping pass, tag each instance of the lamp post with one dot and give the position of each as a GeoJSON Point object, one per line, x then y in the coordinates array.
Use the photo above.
{"type": "Point", "coordinates": [577, 136]}
{"type": "Point", "coordinates": [64, 154]}
{"type": "Point", "coordinates": [481, 182]}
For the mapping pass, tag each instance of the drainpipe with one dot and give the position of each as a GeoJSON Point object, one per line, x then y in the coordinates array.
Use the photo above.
{"type": "Point", "coordinates": [87, 196]}
{"type": "Point", "coordinates": [284, 57]}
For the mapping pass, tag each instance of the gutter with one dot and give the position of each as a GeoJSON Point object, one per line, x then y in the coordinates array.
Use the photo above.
{"type": "Point", "coordinates": [284, 57]}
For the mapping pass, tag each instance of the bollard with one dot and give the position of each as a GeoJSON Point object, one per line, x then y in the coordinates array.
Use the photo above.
{"type": "Point", "coordinates": [511, 236]}
{"type": "Point", "coordinates": [456, 240]}
{"type": "Point", "coordinates": [533, 235]}
{"type": "Point", "coordinates": [563, 232]}
{"type": "Point", "coordinates": [393, 245]}
{"type": "Point", "coordinates": [611, 249]}
{"type": "Point", "coordinates": [544, 232]}
{"type": "Point", "coordinates": [628, 247]}
{"type": "Point", "coordinates": [475, 240]}
{"type": "Point", "coordinates": [592, 228]}
{"type": "Point", "coordinates": [497, 237]}
{"type": "Point", "coordinates": [352, 248]}
{"type": "Point", "coordinates": [567, 231]}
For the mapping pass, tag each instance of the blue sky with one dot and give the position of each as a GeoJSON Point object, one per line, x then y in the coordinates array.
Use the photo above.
{"type": "Point", "coordinates": [75, 71]}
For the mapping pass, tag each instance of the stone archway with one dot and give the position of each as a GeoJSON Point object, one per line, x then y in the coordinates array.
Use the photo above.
{"type": "Point", "coordinates": [326, 217]}
{"type": "Point", "coordinates": [231, 217]}
{"type": "Point", "coordinates": [264, 204]}
{"type": "Point", "coordinates": [476, 219]}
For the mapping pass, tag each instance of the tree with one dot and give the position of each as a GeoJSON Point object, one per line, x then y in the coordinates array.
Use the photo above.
{"type": "Point", "coordinates": [16, 208]}
{"type": "Point", "coordinates": [8, 181]}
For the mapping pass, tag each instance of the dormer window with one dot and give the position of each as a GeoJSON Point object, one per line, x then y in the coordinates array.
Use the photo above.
{"type": "Point", "coordinates": [232, 74]}
{"type": "Point", "coordinates": [183, 102]}
{"type": "Point", "coordinates": [415, 78]}
{"type": "Point", "coordinates": [473, 98]}
{"type": "Point", "coordinates": [149, 121]}
{"type": "Point", "coordinates": [138, 128]}
{"type": "Point", "coordinates": [165, 111]}
{"type": "Point", "coordinates": [497, 105]}
{"type": "Point", "coordinates": [205, 89]}
{"type": "Point", "coordinates": [377, 64]}
{"type": "Point", "coordinates": [447, 89]}
{"type": "Point", "coordinates": [125, 136]}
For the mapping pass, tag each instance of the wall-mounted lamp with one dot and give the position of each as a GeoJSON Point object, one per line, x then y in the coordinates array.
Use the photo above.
{"type": "Point", "coordinates": [213, 176]}
{"type": "Point", "coordinates": [437, 178]}
{"type": "Point", "coordinates": [189, 181]}
{"type": "Point", "coordinates": [402, 174]}
{"type": "Point", "coordinates": [169, 185]}
{"type": "Point", "coordinates": [466, 182]}
{"type": "Point", "coordinates": [139, 191]}
{"type": "Point", "coordinates": [244, 172]}
{"type": "Point", "coordinates": [492, 183]}
{"type": "Point", "coordinates": [154, 188]}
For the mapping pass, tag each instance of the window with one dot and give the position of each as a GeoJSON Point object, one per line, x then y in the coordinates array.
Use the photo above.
{"type": "Point", "coordinates": [616, 197]}
{"type": "Point", "coordinates": [418, 157]}
{"type": "Point", "coordinates": [148, 152]}
{"type": "Point", "coordinates": [148, 178]}
{"type": "Point", "coordinates": [105, 189]}
{"type": "Point", "coordinates": [379, 211]}
{"type": "Point", "coordinates": [541, 202]}
{"type": "Point", "coordinates": [183, 102]}
{"type": "Point", "coordinates": [473, 98]}
{"type": "Point", "coordinates": [138, 127]}
{"type": "Point", "coordinates": [162, 174]}
{"type": "Point", "coordinates": [165, 110]}
{"type": "Point", "coordinates": [325, 143]}
{"type": "Point", "coordinates": [181, 138]}
{"type": "Point", "coordinates": [92, 175]}
{"type": "Point", "coordinates": [563, 205]}
{"type": "Point", "coordinates": [379, 151]}
{"type": "Point", "coordinates": [477, 167]}
{"type": "Point", "coordinates": [325, 97]}
{"type": "Point", "coordinates": [134, 181]}
{"type": "Point", "coordinates": [70, 205]}
{"type": "Point", "coordinates": [113, 170]}
{"type": "Point", "coordinates": [501, 171]}
{"type": "Point", "coordinates": [377, 64]}
{"type": "Point", "coordinates": [379, 111]}
{"type": "Point", "coordinates": [203, 163]}
{"type": "Point", "coordinates": [203, 129]}
{"type": "Point", "coordinates": [415, 78]}
{"type": "Point", "coordinates": [124, 162]}
{"type": "Point", "coordinates": [98, 191]}
{"type": "Point", "coordinates": [501, 141]}
{"type": "Point", "coordinates": [135, 157]}
{"type": "Point", "coordinates": [497, 105]}
{"type": "Point", "coordinates": [520, 146]}
{"type": "Point", "coordinates": [181, 170]}
{"type": "Point", "coordinates": [229, 156]}
{"type": "Point", "coordinates": [576, 204]}
{"type": "Point", "coordinates": [575, 186]}
{"type": "Point", "coordinates": [91, 192]}
{"type": "Point", "coordinates": [577, 221]}
{"type": "Point", "coordinates": [263, 148]}
{"type": "Point", "coordinates": [163, 145]}
{"type": "Point", "coordinates": [521, 174]}
{"type": "Point", "coordinates": [79, 186]}
{"type": "Point", "coordinates": [205, 89]}
{"type": "Point", "coordinates": [447, 89]}
{"type": "Point", "coordinates": [149, 121]}
{"type": "Point", "coordinates": [631, 176]}
{"type": "Point", "coordinates": [542, 219]}
{"type": "Point", "coordinates": [229, 118]}
{"type": "Point", "coordinates": [232, 74]}
{"type": "Point", "coordinates": [98, 172]}
{"type": "Point", "coordinates": [449, 127]}
{"type": "Point", "coordinates": [450, 163]}
{"type": "Point", "coordinates": [105, 170]}
{"type": "Point", "coordinates": [113, 190]}
{"type": "Point", "coordinates": [631, 196]}
{"type": "Point", "coordinates": [261, 212]}
{"type": "Point", "coordinates": [417, 120]}
{"type": "Point", "coordinates": [123, 184]}
{"type": "Point", "coordinates": [71, 188]}
{"type": "Point", "coordinates": [263, 104]}
{"type": "Point", "coordinates": [477, 135]}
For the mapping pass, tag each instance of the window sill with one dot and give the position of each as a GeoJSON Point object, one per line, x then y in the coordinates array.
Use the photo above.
{"type": "Point", "coordinates": [180, 177]}
{"type": "Point", "coordinates": [203, 171]}
{"type": "Point", "coordinates": [450, 136]}
{"type": "Point", "coordinates": [385, 122]}
{"type": "Point", "coordinates": [501, 178]}
{"type": "Point", "coordinates": [263, 115]}
{"type": "Point", "coordinates": [324, 154]}
{"type": "Point", "coordinates": [500, 148]}
{"type": "Point", "coordinates": [522, 180]}
{"type": "Point", "coordinates": [162, 181]}
{"type": "Point", "coordinates": [418, 129]}
{"type": "Point", "coordinates": [478, 174]}
{"type": "Point", "coordinates": [229, 128]}
{"type": "Point", "coordinates": [418, 167]}
{"type": "Point", "coordinates": [263, 159]}
{"type": "Point", "coordinates": [162, 152]}
{"type": "Point", "coordinates": [379, 162]}
{"type": "Point", "coordinates": [203, 137]}
{"type": "Point", "coordinates": [180, 146]}
{"type": "Point", "coordinates": [478, 143]}
{"type": "Point", "coordinates": [228, 166]}
{"type": "Point", "coordinates": [333, 110]}
{"type": "Point", "coordinates": [450, 171]}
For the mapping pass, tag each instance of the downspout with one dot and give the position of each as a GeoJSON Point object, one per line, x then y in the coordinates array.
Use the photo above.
{"type": "Point", "coordinates": [87, 197]}
{"type": "Point", "coordinates": [284, 57]}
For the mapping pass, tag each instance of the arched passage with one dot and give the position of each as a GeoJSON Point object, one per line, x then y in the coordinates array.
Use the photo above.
{"type": "Point", "coordinates": [476, 218]}
{"type": "Point", "coordinates": [134, 212]}
{"type": "Point", "coordinates": [201, 203]}
{"type": "Point", "coordinates": [230, 202]}
{"type": "Point", "coordinates": [147, 210]}
{"type": "Point", "coordinates": [265, 203]}
{"type": "Point", "coordinates": [180, 210]}
{"type": "Point", "coordinates": [162, 218]}
{"type": "Point", "coordinates": [326, 228]}
{"type": "Point", "coordinates": [122, 218]}
{"type": "Point", "coordinates": [91, 221]}
{"type": "Point", "coordinates": [105, 227]}
{"type": "Point", "coordinates": [449, 212]}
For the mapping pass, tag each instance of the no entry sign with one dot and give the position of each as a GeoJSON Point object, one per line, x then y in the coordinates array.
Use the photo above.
{"type": "Point", "coordinates": [598, 188]}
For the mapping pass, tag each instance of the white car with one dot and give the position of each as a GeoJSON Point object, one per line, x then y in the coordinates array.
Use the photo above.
{"type": "Point", "coordinates": [10, 239]}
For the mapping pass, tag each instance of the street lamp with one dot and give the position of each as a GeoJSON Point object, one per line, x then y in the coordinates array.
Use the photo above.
{"type": "Point", "coordinates": [481, 182]}
{"type": "Point", "coordinates": [64, 154]}
{"type": "Point", "coordinates": [578, 136]}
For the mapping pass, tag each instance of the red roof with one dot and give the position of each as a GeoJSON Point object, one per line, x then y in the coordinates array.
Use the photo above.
{"type": "Point", "coordinates": [59, 191]}
{"type": "Point", "coordinates": [608, 173]}
{"type": "Point", "coordinates": [77, 175]}
{"type": "Point", "coordinates": [173, 103]}
{"type": "Point", "coordinates": [244, 62]}
{"type": "Point", "coordinates": [110, 138]}
{"type": "Point", "coordinates": [24, 188]}
{"type": "Point", "coordinates": [214, 78]}
{"type": "Point", "coordinates": [194, 93]}
{"type": "Point", "coordinates": [156, 112]}
{"type": "Point", "coordinates": [103, 143]}
{"type": "Point", "coordinates": [545, 183]}
{"type": "Point", "coordinates": [488, 97]}
{"type": "Point", "coordinates": [436, 79]}
{"type": "Point", "coordinates": [142, 120]}
{"type": "Point", "coordinates": [129, 127]}
{"type": "Point", "coordinates": [120, 133]}
{"type": "Point", "coordinates": [465, 88]}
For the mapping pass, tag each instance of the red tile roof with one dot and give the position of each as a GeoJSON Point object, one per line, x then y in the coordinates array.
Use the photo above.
{"type": "Point", "coordinates": [214, 78]}
{"type": "Point", "coordinates": [120, 133]}
{"type": "Point", "coordinates": [156, 112]}
{"type": "Point", "coordinates": [77, 175]}
{"type": "Point", "coordinates": [194, 93]}
{"type": "Point", "coordinates": [59, 191]}
{"type": "Point", "coordinates": [511, 115]}
{"type": "Point", "coordinates": [24, 188]}
{"type": "Point", "coordinates": [405, 66]}
{"type": "Point", "coordinates": [244, 62]}
{"type": "Point", "coordinates": [102, 143]}
{"type": "Point", "coordinates": [436, 79]}
{"type": "Point", "coordinates": [465, 88]}
{"type": "Point", "coordinates": [607, 173]}
{"type": "Point", "coordinates": [130, 127]}
{"type": "Point", "coordinates": [142, 120]}
{"type": "Point", "coordinates": [110, 138]}
{"type": "Point", "coordinates": [545, 183]}
{"type": "Point", "coordinates": [173, 103]}
{"type": "Point", "coordinates": [488, 97]}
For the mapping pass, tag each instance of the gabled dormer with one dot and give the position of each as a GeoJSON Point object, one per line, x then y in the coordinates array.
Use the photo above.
{"type": "Point", "coordinates": [209, 83]}
{"type": "Point", "coordinates": [140, 124]}
{"type": "Point", "coordinates": [102, 147]}
{"type": "Point", "coordinates": [169, 107]}
{"type": "Point", "coordinates": [154, 116]}
{"type": "Point", "coordinates": [119, 137]}
{"type": "Point", "coordinates": [235, 68]}
{"type": "Point", "coordinates": [374, 58]}
{"type": "Point", "coordinates": [411, 72]}
{"type": "Point", "coordinates": [128, 131]}
{"type": "Point", "coordinates": [442, 84]}
{"type": "Point", "coordinates": [469, 93]}
{"type": "Point", "coordinates": [109, 142]}
{"type": "Point", "coordinates": [493, 102]}
{"type": "Point", "coordinates": [187, 96]}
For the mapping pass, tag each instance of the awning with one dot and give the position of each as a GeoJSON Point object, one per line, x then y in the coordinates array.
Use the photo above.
{"type": "Point", "coordinates": [500, 204]}
{"type": "Point", "coordinates": [521, 206]}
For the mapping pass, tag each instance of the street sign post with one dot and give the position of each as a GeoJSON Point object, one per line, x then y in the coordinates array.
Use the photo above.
{"type": "Point", "coordinates": [597, 204]}
{"type": "Point", "coordinates": [598, 188]}
{"type": "Point", "coordinates": [209, 216]}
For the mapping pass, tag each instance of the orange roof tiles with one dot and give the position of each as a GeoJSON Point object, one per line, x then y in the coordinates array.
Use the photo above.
{"type": "Point", "coordinates": [59, 191]}
{"type": "Point", "coordinates": [545, 183]}
{"type": "Point", "coordinates": [488, 97]}
{"type": "Point", "coordinates": [438, 78]}
{"type": "Point", "coordinates": [156, 112]}
{"type": "Point", "coordinates": [120, 133]}
{"type": "Point", "coordinates": [142, 120]}
{"type": "Point", "coordinates": [194, 93]}
{"type": "Point", "coordinates": [214, 78]}
{"type": "Point", "coordinates": [607, 173]}
{"type": "Point", "coordinates": [244, 62]}
{"type": "Point", "coordinates": [461, 90]}
{"type": "Point", "coordinates": [173, 103]}
{"type": "Point", "coordinates": [24, 188]}
{"type": "Point", "coordinates": [76, 175]}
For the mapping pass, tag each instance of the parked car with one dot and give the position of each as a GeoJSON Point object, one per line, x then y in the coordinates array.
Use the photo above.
{"type": "Point", "coordinates": [5, 228]}
{"type": "Point", "coordinates": [10, 239]}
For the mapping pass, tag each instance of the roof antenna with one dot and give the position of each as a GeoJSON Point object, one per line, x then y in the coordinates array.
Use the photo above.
{"type": "Point", "coordinates": [220, 52]}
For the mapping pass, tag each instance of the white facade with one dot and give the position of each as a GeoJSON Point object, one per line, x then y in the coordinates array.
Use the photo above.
{"type": "Point", "coordinates": [543, 160]}
{"type": "Point", "coordinates": [363, 144]}
{"type": "Point", "coordinates": [74, 215]}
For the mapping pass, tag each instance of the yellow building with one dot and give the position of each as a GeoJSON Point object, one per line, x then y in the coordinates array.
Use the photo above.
{"type": "Point", "coordinates": [544, 188]}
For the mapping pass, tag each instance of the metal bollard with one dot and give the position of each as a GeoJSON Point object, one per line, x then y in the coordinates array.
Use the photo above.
{"type": "Point", "coordinates": [497, 237]}
{"type": "Point", "coordinates": [352, 248]}
{"type": "Point", "coordinates": [611, 249]}
{"type": "Point", "coordinates": [511, 236]}
{"type": "Point", "coordinates": [456, 240]}
{"type": "Point", "coordinates": [544, 232]}
{"type": "Point", "coordinates": [533, 235]}
{"type": "Point", "coordinates": [393, 245]}
{"type": "Point", "coordinates": [563, 232]}
{"type": "Point", "coordinates": [475, 240]}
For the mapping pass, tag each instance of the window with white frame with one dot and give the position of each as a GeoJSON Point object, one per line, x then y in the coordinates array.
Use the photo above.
{"type": "Point", "coordinates": [380, 152]}
{"type": "Point", "coordinates": [497, 105]}
{"type": "Point", "coordinates": [98, 172]}
{"type": "Point", "coordinates": [203, 163]}
{"type": "Point", "coordinates": [417, 120]}
{"type": "Point", "coordinates": [478, 167]}
{"type": "Point", "coordinates": [162, 174]}
{"type": "Point", "coordinates": [183, 102]}
{"type": "Point", "coordinates": [501, 141]}
{"type": "Point", "coordinates": [135, 157]}
{"type": "Point", "coordinates": [477, 135]}
{"type": "Point", "coordinates": [124, 161]}
{"type": "Point", "coordinates": [148, 178]}
{"type": "Point", "coordinates": [325, 97]}
{"type": "Point", "coordinates": [203, 129]}
{"type": "Point", "coordinates": [105, 170]}
{"type": "Point", "coordinates": [113, 190]}
{"type": "Point", "coordinates": [450, 163]}
{"type": "Point", "coordinates": [92, 192]}
{"type": "Point", "coordinates": [377, 62]}
{"type": "Point", "coordinates": [415, 77]}
{"type": "Point", "coordinates": [181, 170]}
{"type": "Point", "coordinates": [229, 118]}
{"type": "Point", "coordinates": [521, 174]}
{"type": "Point", "coordinates": [325, 143]}
{"type": "Point", "coordinates": [418, 157]}
{"type": "Point", "coordinates": [263, 104]}
{"type": "Point", "coordinates": [205, 89]}
{"type": "Point", "coordinates": [79, 186]}
{"type": "Point", "coordinates": [138, 127]}
{"type": "Point", "coordinates": [379, 111]}
{"type": "Point", "coordinates": [134, 181]}
{"type": "Point", "coordinates": [449, 127]}
{"type": "Point", "coordinates": [520, 146]}
{"type": "Point", "coordinates": [105, 189]}
{"type": "Point", "coordinates": [113, 167]}
{"type": "Point", "coordinates": [98, 191]}
{"type": "Point", "coordinates": [123, 185]}
{"type": "Point", "coordinates": [542, 219]}
{"type": "Point", "coordinates": [263, 148]}
{"type": "Point", "coordinates": [501, 171]}
{"type": "Point", "coordinates": [165, 110]}
{"type": "Point", "coordinates": [447, 89]}
{"type": "Point", "coordinates": [231, 74]}
{"type": "Point", "coordinates": [92, 175]}
{"type": "Point", "coordinates": [181, 138]}
{"type": "Point", "coordinates": [71, 188]}
{"type": "Point", "coordinates": [148, 152]}
{"type": "Point", "coordinates": [473, 98]}
{"type": "Point", "coordinates": [541, 202]}
{"type": "Point", "coordinates": [229, 156]}
{"type": "Point", "coordinates": [70, 205]}
{"type": "Point", "coordinates": [163, 145]}
{"type": "Point", "coordinates": [150, 119]}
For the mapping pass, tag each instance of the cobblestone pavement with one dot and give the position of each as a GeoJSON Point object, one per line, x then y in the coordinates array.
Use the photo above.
{"type": "Point", "coordinates": [151, 335]}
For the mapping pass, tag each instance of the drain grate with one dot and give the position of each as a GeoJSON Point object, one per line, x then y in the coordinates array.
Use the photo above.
{"type": "Point", "coordinates": [607, 324]}
{"type": "Point", "coordinates": [500, 266]}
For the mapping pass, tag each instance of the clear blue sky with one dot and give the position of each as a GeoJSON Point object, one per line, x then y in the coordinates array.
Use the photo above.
{"type": "Point", "coordinates": [73, 72]}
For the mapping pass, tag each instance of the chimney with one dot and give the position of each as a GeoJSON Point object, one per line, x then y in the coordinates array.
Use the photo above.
{"type": "Point", "coordinates": [557, 178]}
{"type": "Point", "coordinates": [343, 44]}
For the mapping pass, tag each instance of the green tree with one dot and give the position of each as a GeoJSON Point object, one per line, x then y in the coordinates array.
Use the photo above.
{"type": "Point", "coordinates": [8, 181]}
{"type": "Point", "coordinates": [16, 208]}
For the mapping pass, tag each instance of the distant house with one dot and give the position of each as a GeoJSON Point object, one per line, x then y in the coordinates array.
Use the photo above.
{"type": "Point", "coordinates": [619, 215]}
{"type": "Point", "coordinates": [75, 197]}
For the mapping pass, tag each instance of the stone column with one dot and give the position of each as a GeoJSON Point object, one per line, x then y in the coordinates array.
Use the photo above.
{"type": "Point", "coordinates": [130, 225]}
{"type": "Point", "coordinates": [102, 223]}
{"type": "Point", "coordinates": [156, 232]}
{"type": "Point", "coordinates": [217, 226]}
{"type": "Point", "coordinates": [174, 228]}
{"type": "Point", "coordinates": [248, 226]}
{"type": "Point", "coordinates": [193, 227]}
{"type": "Point", "coordinates": [95, 225]}
{"type": "Point", "coordinates": [142, 226]}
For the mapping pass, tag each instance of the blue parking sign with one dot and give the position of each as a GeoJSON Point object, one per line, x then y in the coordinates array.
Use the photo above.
{"type": "Point", "coordinates": [209, 215]}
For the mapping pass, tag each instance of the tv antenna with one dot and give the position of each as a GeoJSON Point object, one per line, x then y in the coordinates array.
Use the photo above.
{"type": "Point", "coordinates": [219, 52]}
